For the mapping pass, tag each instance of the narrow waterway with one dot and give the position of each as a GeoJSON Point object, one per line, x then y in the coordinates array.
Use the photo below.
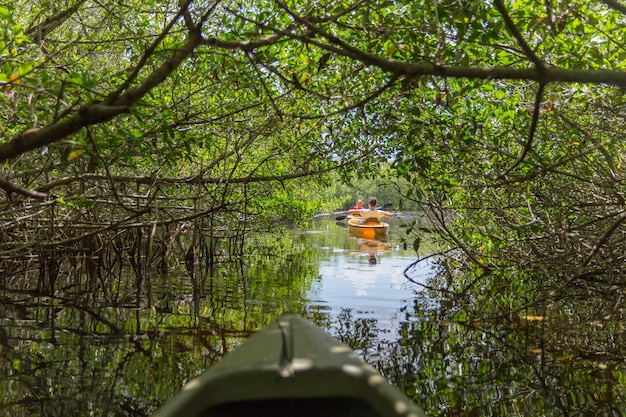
{"type": "Point", "coordinates": [120, 340]}
{"type": "Point", "coordinates": [364, 278]}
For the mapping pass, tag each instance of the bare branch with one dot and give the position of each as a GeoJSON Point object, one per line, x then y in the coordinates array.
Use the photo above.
{"type": "Point", "coordinates": [98, 155]}
{"type": "Point", "coordinates": [601, 242]}
{"type": "Point", "coordinates": [39, 31]}
{"type": "Point", "coordinates": [247, 46]}
{"type": "Point", "coordinates": [543, 74]}
{"type": "Point", "coordinates": [531, 134]}
{"type": "Point", "coordinates": [96, 112]}
{"type": "Point", "coordinates": [112, 98]}
{"type": "Point", "coordinates": [614, 4]}
{"type": "Point", "coordinates": [518, 36]}
{"type": "Point", "coordinates": [10, 188]}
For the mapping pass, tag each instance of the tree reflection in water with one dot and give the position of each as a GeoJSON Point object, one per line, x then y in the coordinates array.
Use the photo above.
{"type": "Point", "coordinates": [115, 343]}
{"type": "Point", "coordinates": [560, 356]}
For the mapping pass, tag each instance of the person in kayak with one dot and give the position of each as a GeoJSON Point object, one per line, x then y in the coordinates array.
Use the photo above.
{"type": "Point", "coordinates": [355, 211]}
{"type": "Point", "coordinates": [372, 215]}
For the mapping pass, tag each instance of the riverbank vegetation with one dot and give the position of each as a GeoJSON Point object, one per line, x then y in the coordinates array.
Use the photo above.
{"type": "Point", "coordinates": [120, 116]}
{"type": "Point", "coordinates": [131, 128]}
{"type": "Point", "coordinates": [510, 114]}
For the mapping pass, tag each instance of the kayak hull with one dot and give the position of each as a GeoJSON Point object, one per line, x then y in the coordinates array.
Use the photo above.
{"type": "Point", "coordinates": [368, 230]}
{"type": "Point", "coordinates": [291, 368]}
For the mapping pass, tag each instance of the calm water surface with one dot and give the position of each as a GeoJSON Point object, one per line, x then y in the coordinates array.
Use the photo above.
{"type": "Point", "coordinates": [120, 339]}
{"type": "Point", "coordinates": [364, 277]}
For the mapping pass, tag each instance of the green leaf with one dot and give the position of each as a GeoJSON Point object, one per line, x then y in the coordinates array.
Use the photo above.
{"type": "Point", "coordinates": [4, 13]}
{"type": "Point", "coordinates": [25, 68]}
{"type": "Point", "coordinates": [76, 79]}
{"type": "Point", "coordinates": [416, 244]}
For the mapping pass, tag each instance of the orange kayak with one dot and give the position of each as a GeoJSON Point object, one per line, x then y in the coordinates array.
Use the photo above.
{"type": "Point", "coordinates": [367, 228]}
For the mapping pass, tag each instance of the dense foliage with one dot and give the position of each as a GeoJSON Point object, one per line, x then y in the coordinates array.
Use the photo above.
{"type": "Point", "coordinates": [140, 120]}
{"type": "Point", "coordinates": [143, 113]}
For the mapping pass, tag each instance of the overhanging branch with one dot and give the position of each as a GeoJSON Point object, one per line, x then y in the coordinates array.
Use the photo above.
{"type": "Point", "coordinates": [518, 36]}
{"type": "Point", "coordinates": [531, 134]}
{"type": "Point", "coordinates": [11, 188]}
{"type": "Point", "coordinates": [541, 74]}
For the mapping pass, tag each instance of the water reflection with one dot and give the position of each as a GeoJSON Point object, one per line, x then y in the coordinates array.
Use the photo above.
{"type": "Point", "coordinates": [120, 340]}
{"type": "Point", "coordinates": [350, 281]}
{"type": "Point", "coordinates": [371, 247]}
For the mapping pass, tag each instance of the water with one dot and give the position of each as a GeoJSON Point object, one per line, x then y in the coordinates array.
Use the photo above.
{"type": "Point", "coordinates": [122, 341]}
{"type": "Point", "coordinates": [365, 277]}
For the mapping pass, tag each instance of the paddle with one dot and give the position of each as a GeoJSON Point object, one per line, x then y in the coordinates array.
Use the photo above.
{"type": "Point", "coordinates": [404, 215]}
{"type": "Point", "coordinates": [383, 207]}
{"type": "Point", "coordinates": [317, 216]}
{"type": "Point", "coordinates": [342, 217]}
{"type": "Point", "coordinates": [330, 214]}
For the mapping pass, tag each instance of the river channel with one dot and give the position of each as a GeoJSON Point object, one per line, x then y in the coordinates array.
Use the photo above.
{"type": "Point", "coordinates": [363, 278]}
{"type": "Point", "coordinates": [122, 341]}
